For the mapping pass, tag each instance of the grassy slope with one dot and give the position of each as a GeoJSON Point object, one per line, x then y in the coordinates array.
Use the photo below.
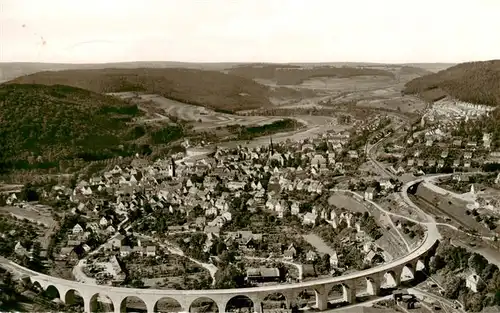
{"type": "Point", "coordinates": [211, 89]}
{"type": "Point", "coordinates": [477, 82]}
{"type": "Point", "coordinates": [60, 122]}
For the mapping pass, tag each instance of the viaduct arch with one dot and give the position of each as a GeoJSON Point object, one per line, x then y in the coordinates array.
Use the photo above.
{"type": "Point", "coordinates": [375, 279]}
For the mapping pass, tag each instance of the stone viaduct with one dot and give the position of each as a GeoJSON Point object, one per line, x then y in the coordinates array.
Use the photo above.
{"type": "Point", "coordinates": [390, 273]}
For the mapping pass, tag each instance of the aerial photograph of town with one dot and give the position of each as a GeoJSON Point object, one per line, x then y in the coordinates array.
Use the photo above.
{"type": "Point", "coordinates": [245, 156]}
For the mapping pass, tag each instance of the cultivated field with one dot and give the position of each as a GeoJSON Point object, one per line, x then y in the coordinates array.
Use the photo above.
{"type": "Point", "coordinates": [202, 117]}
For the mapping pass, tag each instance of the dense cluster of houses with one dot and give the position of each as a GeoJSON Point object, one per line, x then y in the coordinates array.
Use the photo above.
{"type": "Point", "coordinates": [435, 147]}
{"type": "Point", "coordinates": [206, 182]}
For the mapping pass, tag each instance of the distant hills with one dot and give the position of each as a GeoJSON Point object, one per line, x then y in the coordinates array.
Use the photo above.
{"type": "Point", "coordinates": [289, 74]}
{"type": "Point", "coordinates": [476, 82]}
{"type": "Point", "coordinates": [212, 89]}
{"type": "Point", "coordinates": [13, 70]}
{"type": "Point", "coordinates": [43, 125]}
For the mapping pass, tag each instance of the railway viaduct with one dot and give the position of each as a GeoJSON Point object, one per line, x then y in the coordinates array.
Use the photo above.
{"type": "Point", "coordinates": [389, 273]}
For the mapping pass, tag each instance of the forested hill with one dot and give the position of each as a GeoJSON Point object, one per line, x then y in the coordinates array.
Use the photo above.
{"type": "Point", "coordinates": [210, 89]}
{"type": "Point", "coordinates": [45, 124]}
{"type": "Point", "coordinates": [476, 82]}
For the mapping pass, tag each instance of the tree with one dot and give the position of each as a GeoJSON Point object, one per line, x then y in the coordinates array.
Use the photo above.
{"type": "Point", "coordinates": [452, 287]}
{"type": "Point", "coordinates": [230, 277]}
{"type": "Point", "coordinates": [323, 264]}
{"type": "Point", "coordinates": [475, 302]}
{"type": "Point", "coordinates": [477, 262]}
{"type": "Point", "coordinates": [29, 193]}
{"type": "Point", "coordinates": [488, 272]}
{"type": "Point", "coordinates": [220, 247]}
{"type": "Point", "coordinates": [436, 263]}
{"type": "Point", "coordinates": [36, 261]}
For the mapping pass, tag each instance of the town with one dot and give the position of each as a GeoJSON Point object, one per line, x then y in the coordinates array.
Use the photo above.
{"type": "Point", "coordinates": [215, 217]}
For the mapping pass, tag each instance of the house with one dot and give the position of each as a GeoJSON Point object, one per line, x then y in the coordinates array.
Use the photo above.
{"type": "Point", "coordinates": [353, 154]}
{"type": "Point", "coordinates": [386, 184]}
{"type": "Point", "coordinates": [138, 249]}
{"type": "Point", "coordinates": [334, 260]}
{"type": "Point", "coordinates": [471, 144]}
{"type": "Point", "coordinates": [263, 274]}
{"type": "Point", "coordinates": [66, 252]}
{"type": "Point", "coordinates": [309, 219]}
{"type": "Point", "coordinates": [151, 251]}
{"type": "Point", "coordinates": [125, 250]}
{"type": "Point", "coordinates": [295, 208]}
{"type": "Point", "coordinates": [468, 155]}
{"type": "Point", "coordinates": [74, 243]}
{"type": "Point", "coordinates": [311, 256]}
{"type": "Point", "coordinates": [117, 241]}
{"type": "Point", "coordinates": [11, 199]}
{"type": "Point", "coordinates": [318, 161]}
{"type": "Point", "coordinates": [77, 229]}
{"type": "Point", "coordinates": [373, 257]}
{"type": "Point", "coordinates": [103, 222]}
{"type": "Point", "coordinates": [473, 282]}
{"type": "Point", "coordinates": [290, 253]}
{"type": "Point", "coordinates": [20, 250]}
{"type": "Point", "coordinates": [110, 229]}
{"type": "Point", "coordinates": [369, 193]}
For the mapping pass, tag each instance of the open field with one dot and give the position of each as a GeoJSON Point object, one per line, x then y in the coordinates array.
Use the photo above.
{"type": "Point", "coordinates": [204, 118]}
{"type": "Point", "coordinates": [318, 243]}
{"type": "Point", "coordinates": [38, 214]}
{"type": "Point", "coordinates": [344, 201]}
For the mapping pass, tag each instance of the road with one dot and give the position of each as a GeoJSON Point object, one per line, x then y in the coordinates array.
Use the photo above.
{"type": "Point", "coordinates": [420, 293]}
{"type": "Point", "coordinates": [212, 269]}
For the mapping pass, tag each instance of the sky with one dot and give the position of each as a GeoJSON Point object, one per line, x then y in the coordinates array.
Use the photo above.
{"type": "Point", "coordinates": [384, 31]}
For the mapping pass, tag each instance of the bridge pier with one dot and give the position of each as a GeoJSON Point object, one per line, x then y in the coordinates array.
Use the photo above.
{"type": "Point", "coordinates": [373, 285]}
{"type": "Point", "coordinates": [150, 305]}
{"type": "Point", "coordinates": [289, 299]}
{"type": "Point", "coordinates": [321, 298]}
{"type": "Point", "coordinates": [257, 306]}
{"type": "Point", "coordinates": [349, 291]}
